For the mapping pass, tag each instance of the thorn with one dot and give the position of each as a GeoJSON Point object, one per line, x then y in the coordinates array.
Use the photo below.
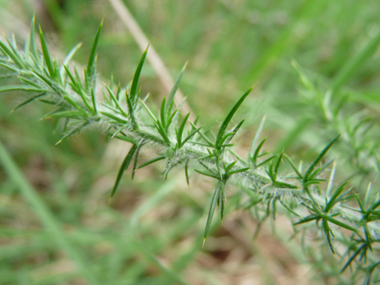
{"type": "Point", "coordinates": [109, 201]}
{"type": "Point", "coordinates": [203, 244]}
{"type": "Point", "coordinates": [57, 143]}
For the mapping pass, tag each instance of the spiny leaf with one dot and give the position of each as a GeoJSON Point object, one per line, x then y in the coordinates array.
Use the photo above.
{"type": "Point", "coordinates": [277, 166]}
{"type": "Point", "coordinates": [353, 256]}
{"type": "Point", "coordinates": [239, 170]}
{"type": "Point", "coordinates": [68, 59]}
{"type": "Point", "coordinates": [207, 174]}
{"type": "Point", "coordinates": [68, 114]}
{"type": "Point", "coordinates": [149, 111]}
{"type": "Point", "coordinates": [294, 167]}
{"type": "Point", "coordinates": [162, 132]}
{"type": "Point", "coordinates": [73, 132]}
{"type": "Point", "coordinates": [161, 157]}
{"type": "Point", "coordinates": [28, 101]}
{"type": "Point", "coordinates": [367, 195]}
{"type": "Point", "coordinates": [228, 119]}
{"type": "Point", "coordinates": [329, 234]}
{"type": "Point", "coordinates": [229, 167]}
{"type": "Point", "coordinates": [93, 99]}
{"type": "Point", "coordinates": [31, 43]}
{"type": "Point", "coordinates": [319, 158]}
{"type": "Point", "coordinates": [187, 172]}
{"type": "Point", "coordinates": [334, 198]}
{"type": "Point", "coordinates": [211, 211]}
{"type": "Point", "coordinates": [222, 199]}
{"type": "Point", "coordinates": [116, 101]}
{"type": "Point", "coordinates": [136, 77]}
{"type": "Point", "coordinates": [192, 133]}
{"type": "Point", "coordinates": [233, 133]}
{"type": "Point", "coordinates": [174, 90]}
{"type": "Point", "coordinates": [12, 55]}
{"type": "Point", "coordinates": [180, 130]}
{"type": "Point", "coordinates": [92, 58]}
{"type": "Point", "coordinates": [256, 138]}
{"type": "Point", "coordinates": [20, 88]}
{"type": "Point", "coordinates": [47, 58]}
{"type": "Point", "coordinates": [162, 113]}
{"type": "Point", "coordinates": [127, 160]}
{"type": "Point", "coordinates": [265, 161]}
{"type": "Point", "coordinates": [141, 144]}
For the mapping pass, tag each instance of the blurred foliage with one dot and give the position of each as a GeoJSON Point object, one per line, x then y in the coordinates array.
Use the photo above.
{"type": "Point", "coordinates": [148, 236]}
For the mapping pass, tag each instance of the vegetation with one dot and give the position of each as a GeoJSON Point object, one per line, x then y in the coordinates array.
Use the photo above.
{"type": "Point", "coordinates": [341, 215]}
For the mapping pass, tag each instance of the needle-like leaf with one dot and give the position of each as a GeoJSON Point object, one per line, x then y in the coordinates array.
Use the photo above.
{"type": "Point", "coordinates": [227, 120]}
{"type": "Point", "coordinates": [127, 160]}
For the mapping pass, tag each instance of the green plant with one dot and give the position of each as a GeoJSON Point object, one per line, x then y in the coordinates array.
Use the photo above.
{"type": "Point", "coordinates": [304, 195]}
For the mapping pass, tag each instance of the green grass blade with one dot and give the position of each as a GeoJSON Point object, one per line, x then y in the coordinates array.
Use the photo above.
{"type": "Point", "coordinates": [46, 217]}
{"type": "Point", "coordinates": [354, 63]}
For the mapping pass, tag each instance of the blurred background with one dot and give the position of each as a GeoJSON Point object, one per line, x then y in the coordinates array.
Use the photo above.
{"type": "Point", "coordinates": [152, 231]}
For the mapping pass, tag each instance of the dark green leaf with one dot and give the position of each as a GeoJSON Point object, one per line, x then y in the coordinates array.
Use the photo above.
{"type": "Point", "coordinates": [127, 160]}
{"type": "Point", "coordinates": [20, 88]}
{"type": "Point", "coordinates": [161, 157]}
{"type": "Point", "coordinates": [329, 234]}
{"type": "Point", "coordinates": [187, 172]}
{"type": "Point", "coordinates": [141, 144]}
{"type": "Point", "coordinates": [239, 170]}
{"type": "Point", "coordinates": [319, 158]}
{"type": "Point", "coordinates": [180, 130]}
{"type": "Point", "coordinates": [73, 132]}
{"type": "Point", "coordinates": [91, 65]}
{"type": "Point", "coordinates": [211, 211]}
{"type": "Point", "coordinates": [256, 138]}
{"type": "Point", "coordinates": [11, 54]}
{"type": "Point", "coordinates": [28, 101]}
{"type": "Point", "coordinates": [334, 197]}
{"type": "Point", "coordinates": [228, 119]}
{"type": "Point", "coordinates": [136, 77]}
{"type": "Point", "coordinates": [47, 58]}
{"type": "Point", "coordinates": [68, 59]}
{"type": "Point", "coordinates": [256, 153]}
{"type": "Point", "coordinates": [207, 174]}
{"type": "Point", "coordinates": [294, 167]}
